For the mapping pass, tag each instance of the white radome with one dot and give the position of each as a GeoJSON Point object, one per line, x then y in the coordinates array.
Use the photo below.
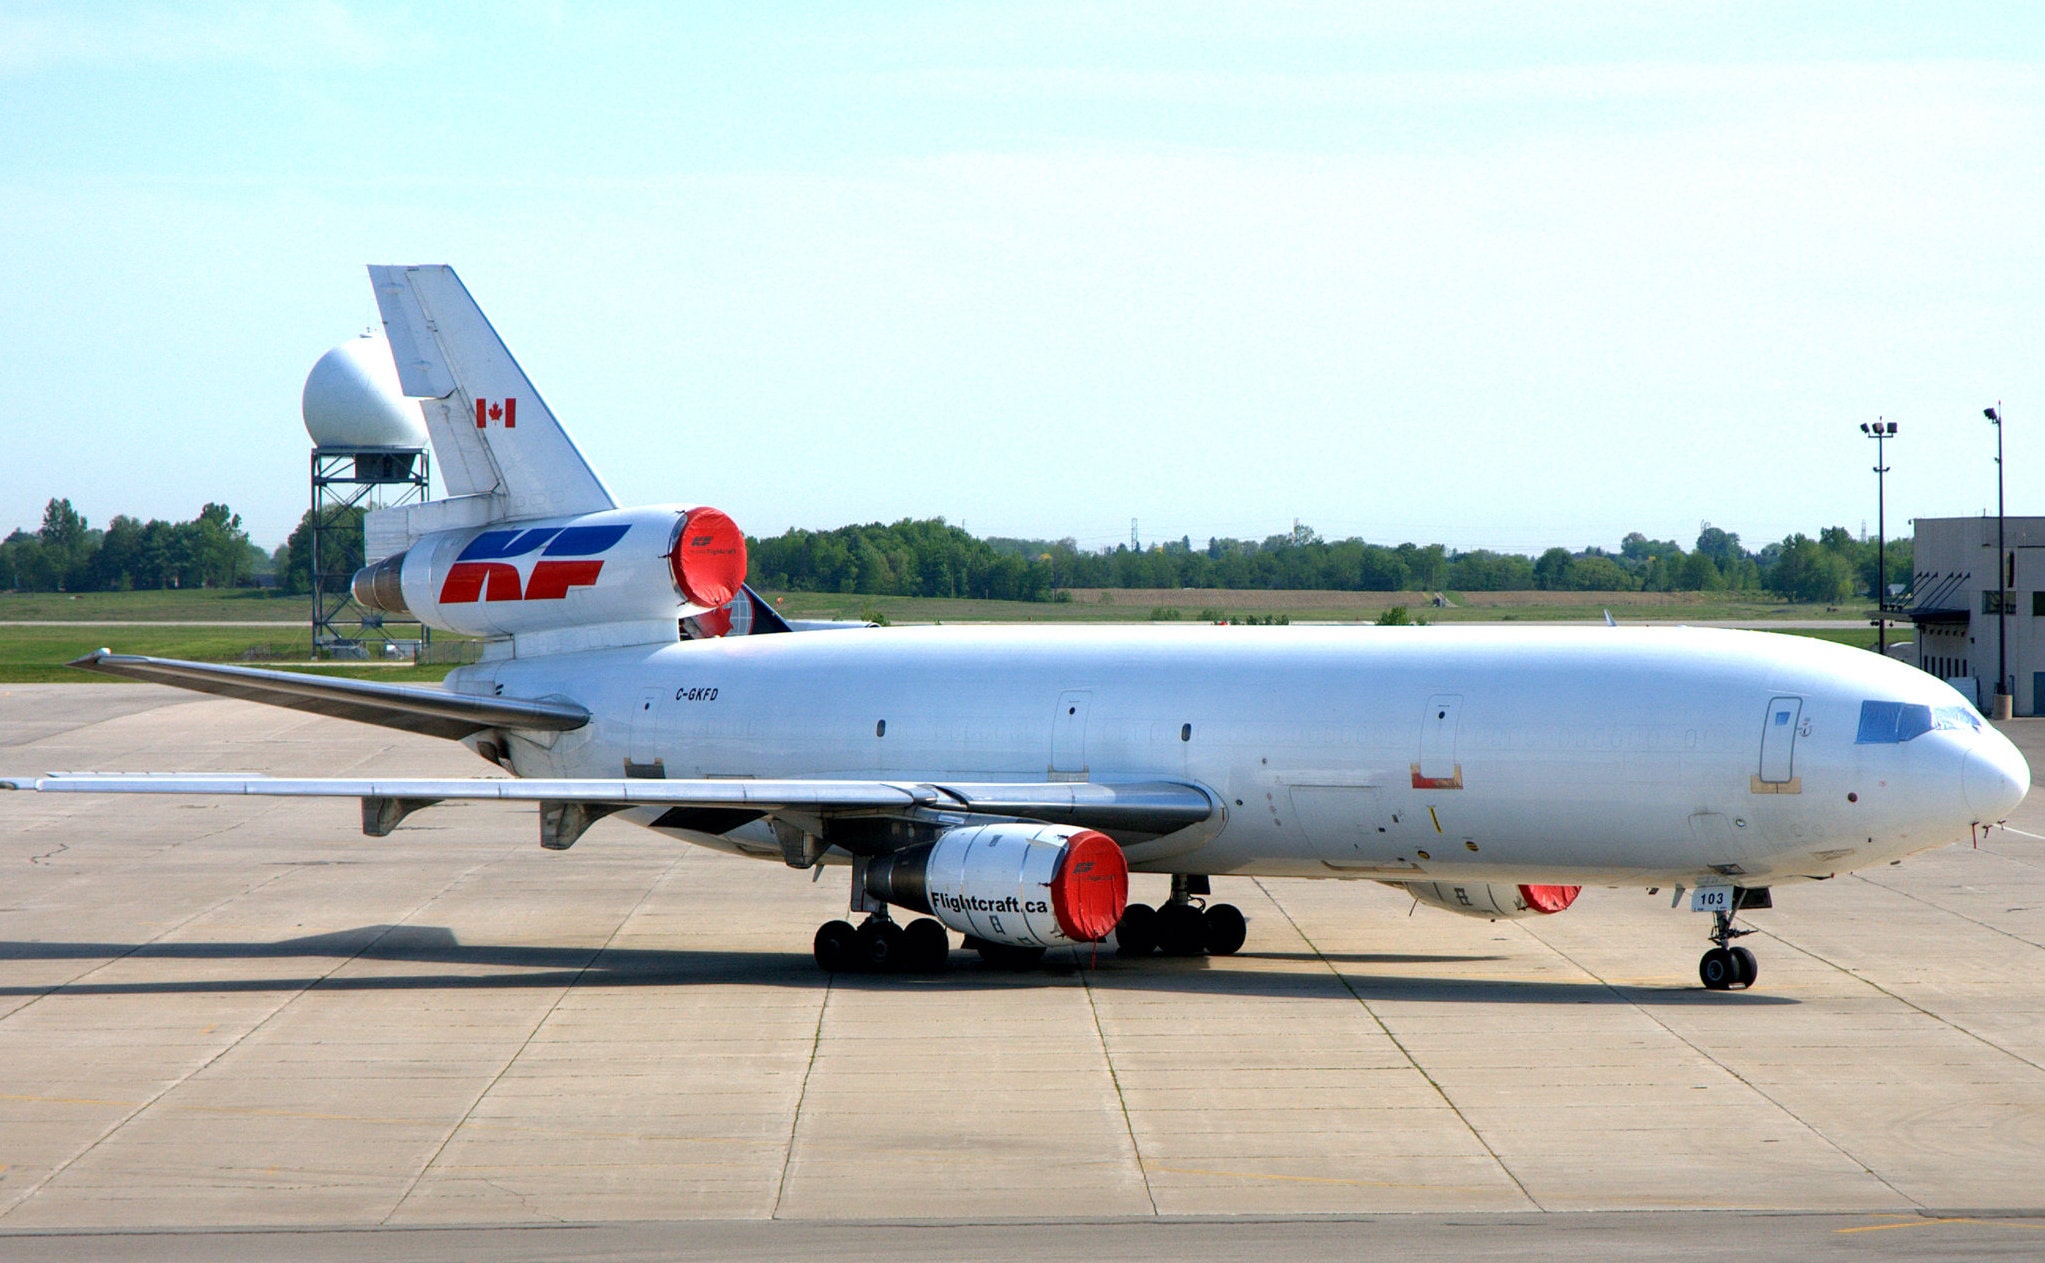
{"type": "Point", "coordinates": [352, 399]}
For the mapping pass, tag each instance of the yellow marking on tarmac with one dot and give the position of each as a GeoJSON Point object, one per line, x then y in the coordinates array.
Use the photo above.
{"type": "Point", "coordinates": [1435, 818]}
{"type": "Point", "coordinates": [1303, 1179]}
{"type": "Point", "coordinates": [1927, 1223]}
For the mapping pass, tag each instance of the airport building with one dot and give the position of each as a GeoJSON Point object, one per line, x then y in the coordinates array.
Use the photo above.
{"type": "Point", "coordinates": [1953, 599]}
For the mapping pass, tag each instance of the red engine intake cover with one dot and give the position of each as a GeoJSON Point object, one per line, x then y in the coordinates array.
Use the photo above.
{"type": "Point", "coordinates": [708, 557]}
{"type": "Point", "coordinates": [1091, 887]}
{"type": "Point", "coordinates": [1549, 899]}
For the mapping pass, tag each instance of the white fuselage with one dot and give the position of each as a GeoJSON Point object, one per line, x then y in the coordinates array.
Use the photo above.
{"type": "Point", "coordinates": [1440, 753]}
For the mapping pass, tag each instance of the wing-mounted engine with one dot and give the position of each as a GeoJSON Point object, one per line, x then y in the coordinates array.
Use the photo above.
{"type": "Point", "coordinates": [1013, 883]}
{"type": "Point", "coordinates": [1492, 902]}
{"type": "Point", "coordinates": [643, 568]}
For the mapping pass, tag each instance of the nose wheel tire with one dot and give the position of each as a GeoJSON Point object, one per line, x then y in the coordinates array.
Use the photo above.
{"type": "Point", "coordinates": [1727, 968]}
{"type": "Point", "coordinates": [1750, 969]}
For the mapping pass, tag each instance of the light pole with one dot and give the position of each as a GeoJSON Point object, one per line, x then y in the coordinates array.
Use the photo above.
{"type": "Point", "coordinates": [2003, 707]}
{"type": "Point", "coordinates": [1881, 431]}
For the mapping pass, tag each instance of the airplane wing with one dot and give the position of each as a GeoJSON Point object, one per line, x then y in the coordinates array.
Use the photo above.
{"type": "Point", "coordinates": [411, 707]}
{"type": "Point", "coordinates": [569, 806]}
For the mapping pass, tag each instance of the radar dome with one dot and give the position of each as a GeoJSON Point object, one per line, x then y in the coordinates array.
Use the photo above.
{"type": "Point", "coordinates": [352, 399]}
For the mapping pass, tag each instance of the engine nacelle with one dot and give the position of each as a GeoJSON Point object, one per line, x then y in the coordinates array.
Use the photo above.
{"type": "Point", "coordinates": [1024, 885]}
{"type": "Point", "coordinates": [1473, 899]}
{"type": "Point", "coordinates": [618, 566]}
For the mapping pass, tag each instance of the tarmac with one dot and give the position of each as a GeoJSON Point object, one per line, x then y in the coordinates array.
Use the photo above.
{"type": "Point", "coordinates": [237, 1028]}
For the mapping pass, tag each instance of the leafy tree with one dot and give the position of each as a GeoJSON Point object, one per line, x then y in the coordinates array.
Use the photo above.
{"type": "Point", "coordinates": [1551, 572]}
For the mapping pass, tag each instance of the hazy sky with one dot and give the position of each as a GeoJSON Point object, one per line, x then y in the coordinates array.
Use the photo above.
{"type": "Point", "coordinates": [1494, 275]}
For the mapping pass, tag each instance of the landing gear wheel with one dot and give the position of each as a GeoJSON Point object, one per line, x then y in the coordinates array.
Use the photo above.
{"type": "Point", "coordinates": [1136, 933]}
{"type": "Point", "coordinates": [1748, 968]}
{"type": "Point", "coordinates": [1225, 929]}
{"type": "Point", "coordinates": [1006, 956]}
{"type": "Point", "coordinates": [1181, 930]}
{"type": "Point", "coordinates": [926, 946]}
{"type": "Point", "coordinates": [880, 945]}
{"type": "Point", "coordinates": [1718, 970]}
{"type": "Point", "coordinates": [835, 945]}
{"type": "Point", "coordinates": [1725, 966]}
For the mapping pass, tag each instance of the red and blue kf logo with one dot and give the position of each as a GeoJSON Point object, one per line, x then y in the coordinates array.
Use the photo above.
{"type": "Point", "coordinates": [484, 571]}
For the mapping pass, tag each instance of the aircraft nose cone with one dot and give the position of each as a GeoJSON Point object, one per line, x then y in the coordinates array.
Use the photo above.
{"type": "Point", "coordinates": [1996, 778]}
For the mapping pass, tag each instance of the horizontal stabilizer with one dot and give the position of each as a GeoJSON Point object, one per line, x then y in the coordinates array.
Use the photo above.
{"type": "Point", "coordinates": [412, 707]}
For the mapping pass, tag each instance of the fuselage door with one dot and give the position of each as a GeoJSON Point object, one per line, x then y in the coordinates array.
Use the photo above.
{"type": "Point", "coordinates": [643, 757]}
{"type": "Point", "coordinates": [1068, 734]}
{"type": "Point", "coordinates": [1438, 728]}
{"type": "Point", "coordinates": [1778, 740]}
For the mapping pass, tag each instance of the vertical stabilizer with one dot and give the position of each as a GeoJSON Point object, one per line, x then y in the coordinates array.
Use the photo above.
{"type": "Point", "coordinates": [493, 436]}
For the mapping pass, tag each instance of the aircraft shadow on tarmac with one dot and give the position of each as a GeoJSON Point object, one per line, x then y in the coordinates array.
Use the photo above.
{"type": "Point", "coordinates": [520, 965]}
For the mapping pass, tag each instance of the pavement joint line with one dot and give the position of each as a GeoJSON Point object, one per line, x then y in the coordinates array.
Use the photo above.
{"type": "Point", "coordinates": [225, 1049]}
{"type": "Point", "coordinates": [1902, 999]}
{"type": "Point", "coordinates": [1404, 1051]}
{"type": "Point", "coordinates": [1115, 1079]}
{"type": "Point", "coordinates": [1951, 912]}
{"type": "Point", "coordinates": [567, 989]}
{"type": "Point", "coordinates": [809, 1068]}
{"type": "Point", "coordinates": [1727, 1069]}
{"type": "Point", "coordinates": [133, 948]}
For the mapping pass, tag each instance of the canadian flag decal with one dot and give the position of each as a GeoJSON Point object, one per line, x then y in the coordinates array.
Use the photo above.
{"type": "Point", "coordinates": [505, 410]}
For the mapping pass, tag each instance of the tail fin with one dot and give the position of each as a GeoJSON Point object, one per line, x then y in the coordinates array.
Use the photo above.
{"type": "Point", "coordinates": [492, 433]}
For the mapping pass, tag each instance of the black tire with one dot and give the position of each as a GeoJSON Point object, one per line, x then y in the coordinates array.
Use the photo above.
{"type": "Point", "coordinates": [1748, 969]}
{"type": "Point", "coordinates": [1225, 929]}
{"type": "Point", "coordinates": [1007, 956]}
{"type": "Point", "coordinates": [835, 945]}
{"type": "Point", "coordinates": [880, 946]}
{"type": "Point", "coordinates": [926, 945]}
{"type": "Point", "coordinates": [1136, 932]}
{"type": "Point", "coordinates": [1181, 930]}
{"type": "Point", "coordinates": [1718, 970]}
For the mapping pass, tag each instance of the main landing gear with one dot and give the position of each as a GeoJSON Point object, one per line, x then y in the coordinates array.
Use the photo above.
{"type": "Point", "coordinates": [879, 946]}
{"type": "Point", "coordinates": [1725, 967]}
{"type": "Point", "coordinates": [1183, 926]}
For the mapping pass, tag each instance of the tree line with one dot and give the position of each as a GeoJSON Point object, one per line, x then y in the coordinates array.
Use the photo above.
{"type": "Point", "coordinates": [68, 554]}
{"type": "Point", "coordinates": [930, 557]}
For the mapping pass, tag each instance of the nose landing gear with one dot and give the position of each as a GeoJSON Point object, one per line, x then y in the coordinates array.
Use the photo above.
{"type": "Point", "coordinates": [1725, 967]}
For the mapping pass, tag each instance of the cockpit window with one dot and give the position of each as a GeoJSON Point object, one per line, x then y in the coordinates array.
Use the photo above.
{"type": "Point", "coordinates": [1887, 723]}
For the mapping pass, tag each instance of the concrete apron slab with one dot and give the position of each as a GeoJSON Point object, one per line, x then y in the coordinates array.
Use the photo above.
{"type": "Point", "coordinates": [243, 1012]}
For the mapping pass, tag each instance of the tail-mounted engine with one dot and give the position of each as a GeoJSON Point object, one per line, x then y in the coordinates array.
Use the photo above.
{"type": "Point", "coordinates": [1492, 902]}
{"type": "Point", "coordinates": [1019, 884]}
{"type": "Point", "coordinates": [617, 566]}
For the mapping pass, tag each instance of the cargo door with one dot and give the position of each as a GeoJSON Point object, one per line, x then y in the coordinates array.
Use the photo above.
{"type": "Point", "coordinates": [1778, 740]}
{"type": "Point", "coordinates": [1068, 735]}
{"type": "Point", "coordinates": [1438, 767]}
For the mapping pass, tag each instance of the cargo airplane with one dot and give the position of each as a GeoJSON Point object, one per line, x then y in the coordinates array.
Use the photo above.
{"type": "Point", "coordinates": [1002, 782]}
